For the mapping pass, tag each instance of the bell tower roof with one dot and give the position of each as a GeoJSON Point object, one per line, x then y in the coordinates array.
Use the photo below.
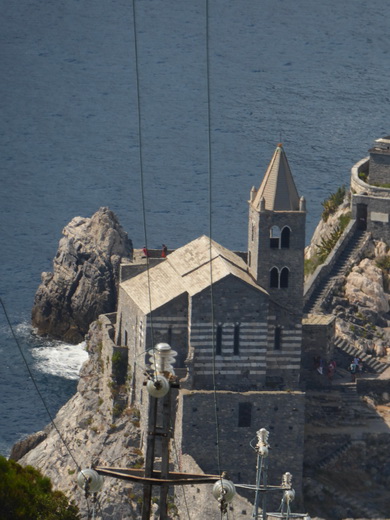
{"type": "Point", "coordinates": [278, 187]}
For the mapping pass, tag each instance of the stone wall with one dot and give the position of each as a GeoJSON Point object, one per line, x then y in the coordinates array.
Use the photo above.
{"type": "Point", "coordinates": [239, 417]}
{"type": "Point", "coordinates": [375, 198]}
{"type": "Point", "coordinates": [317, 341]}
{"type": "Point", "coordinates": [264, 258]}
{"type": "Point", "coordinates": [378, 214]}
{"type": "Point", "coordinates": [379, 165]}
{"type": "Point", "coordinates": [379, 389]}
{"type": "Point", "coordinates": [324, 269]}
{"type": "Point", "coordinates": [114, 366]}
{"type": "Point", "coordinates": [237, 304]}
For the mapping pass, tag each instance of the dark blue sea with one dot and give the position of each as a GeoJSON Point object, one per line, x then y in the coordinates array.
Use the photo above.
{"type": "Point", "coordinates": [313, 75]}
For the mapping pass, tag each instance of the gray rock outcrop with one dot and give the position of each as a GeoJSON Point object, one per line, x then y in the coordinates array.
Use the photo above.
{"type": "Point", "coordinates": [364, 287]}
{"type": "Point", "coordinates": [85, 275]}
{"type": "Point", "coordinates": [89, 431]}
{"type": "Point", "coordinates": [90, 435]}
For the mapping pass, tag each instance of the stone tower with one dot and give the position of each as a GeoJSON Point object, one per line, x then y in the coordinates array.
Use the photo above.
{"type": "Point", "coordinates": [276, 234]}
{"type": "Point", "coordinates": [379, 165]}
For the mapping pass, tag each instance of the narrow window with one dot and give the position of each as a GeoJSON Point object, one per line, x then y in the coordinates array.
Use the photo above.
{"type": "Point", "coordinates": [236, 340]}
{"type": "Point", "coordinates": [218, 346]}
{"type": "Point", "coordinates": [274, 277]}
{"type": "Point", "coordinates": [277, 338]}
{"type": "Point", "coordinates": [274, 240]}
{"type": "Point", "coordinates": [284, 278]}
{"type": "Point", "coordinates": [285, 238]}
{"type": "Point", "coordinates": [244, 414]}
{"type": "Point", "coordinates": [253, 232]}
{"type": "Point", "coordinates": [126, 338]}
{"type": "Point", "coordinates": [249, 258]}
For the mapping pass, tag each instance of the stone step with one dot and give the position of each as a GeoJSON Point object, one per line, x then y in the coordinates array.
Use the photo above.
{"type": "Point", "coordinates": [338, 269]}
{"type": "Point", "coordinates": [372, 362]}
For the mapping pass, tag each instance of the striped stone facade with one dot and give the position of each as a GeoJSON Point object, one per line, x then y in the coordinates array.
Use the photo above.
{"type": "Point", "coordinates": [233, 331]}
{"type": "Point", "coordinates": [243, 348]}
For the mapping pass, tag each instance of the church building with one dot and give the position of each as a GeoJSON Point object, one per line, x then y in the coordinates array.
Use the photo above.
{"type": "Point", "coordinates": [235, 320]}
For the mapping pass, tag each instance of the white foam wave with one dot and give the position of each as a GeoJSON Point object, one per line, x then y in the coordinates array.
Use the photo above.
{"type": "Point", "coordinates": [51, 356]}
{"type": "Point", "coordinates": [60, 359]}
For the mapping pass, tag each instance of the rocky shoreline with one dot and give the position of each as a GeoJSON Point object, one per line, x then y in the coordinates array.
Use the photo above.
{"type": "Point", "coordinates": [85, 277]}
{"type": "Point", "coordinates": [95, 431]}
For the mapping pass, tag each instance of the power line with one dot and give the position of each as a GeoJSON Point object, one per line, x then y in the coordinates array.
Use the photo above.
{"type": "Point", "coordinates": [37, 388]}
{"type": "Point", "coordinates": [210, 186]}
{"type": "Point", "coordinates": [141, 165]}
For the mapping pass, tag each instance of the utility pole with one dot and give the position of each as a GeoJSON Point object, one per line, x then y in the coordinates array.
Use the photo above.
{"type": "Point", "coordinates": [163, 434]}
{"type": "Point", "coordinates": [159, 433]}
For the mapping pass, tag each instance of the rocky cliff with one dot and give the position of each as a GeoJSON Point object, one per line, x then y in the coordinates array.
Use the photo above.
{"type": "Point", "coordinates": [92, 430]}
{"type": "Point", "coordinates": [360, 297]}
{"type": "Point", "coordinates": [99, 427]}
{"type": "Point", "coordinates": [84, 280]}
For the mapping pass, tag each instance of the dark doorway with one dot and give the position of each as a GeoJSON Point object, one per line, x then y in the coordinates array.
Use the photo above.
{"type": "Point", "coordinates": [361, 216]}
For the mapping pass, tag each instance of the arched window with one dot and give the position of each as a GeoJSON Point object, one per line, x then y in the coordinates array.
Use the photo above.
{"type": "Point", "coordinates": [236, 340]}
{"type": "Point", "coordinates": [274, 277]}
{"type": "Point", "coordinates": [218, 341]}
{"type": "Point", "coordinates": [285, 237]}
{"type": "Point", "coordinates": [284, 278]}
{"type": "Point", "coordinates": [277, 338]}
{"type": "Point", "coordinates": [274, 237]}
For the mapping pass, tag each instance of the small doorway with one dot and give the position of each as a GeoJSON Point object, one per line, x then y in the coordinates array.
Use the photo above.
{"type": "Point", "coordinates": [361, 216]}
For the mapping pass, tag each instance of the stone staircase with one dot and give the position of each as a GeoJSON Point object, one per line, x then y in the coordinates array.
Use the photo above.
{"type": "Point", "coordinates": [369, 361]}
{"type": "Point", "coordinates": [313, 304]}
{"type": "Point", "coordinates": [357, 412]}
{"type": "Point", "coordinates": [333, 457]}
{"type": "Point", "coordinates": [365, 511]}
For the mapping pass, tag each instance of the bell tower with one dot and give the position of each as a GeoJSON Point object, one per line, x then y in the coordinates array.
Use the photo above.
{"type": "Point", "coordinates": [276, 234]}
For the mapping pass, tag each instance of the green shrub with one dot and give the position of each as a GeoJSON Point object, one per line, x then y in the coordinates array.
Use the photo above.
{"type": "Point", "coordinates": [311, 265]}
{"type": "Point", "coordinates": [383, 262]}
{"type": "Point", "coordinates": [363, 176]}
{"type": "Point", "coordinates": [327, 244]}
{"type": "Point", "coordinates": [331, 204]}
{"type": "Point", "coordinates": [25, 494]}
{"type": "Point", "coordinates": [344, 220]}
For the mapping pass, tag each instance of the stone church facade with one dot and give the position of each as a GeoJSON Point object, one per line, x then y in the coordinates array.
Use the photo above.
{"type": "Point", "coordinates": [235, 320]}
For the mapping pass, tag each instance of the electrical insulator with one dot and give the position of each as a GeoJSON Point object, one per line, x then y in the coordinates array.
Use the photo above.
{"type": "Point", "coordinates": [263, 435]}
{"type": "Point", "coordinates": [289, 495]}
{"type": "Point", "coordinates": [162, 359]}
{"type": "Point", "coordinates": [158, 387]}
{"type": "Point", "coordinates": [262, 451]}
{"type": "Point", "coordinates": [90, 480]}
{"type": "Point", "coordinates": [287, 479]}
{"type": "Point", "coordinates": [262, 442]}
{"type": "Point", "coordinates": [224, 490]}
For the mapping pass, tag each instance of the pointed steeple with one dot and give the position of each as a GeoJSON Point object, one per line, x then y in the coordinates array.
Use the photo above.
{"type": "Point", "coordinates": [278, 188]}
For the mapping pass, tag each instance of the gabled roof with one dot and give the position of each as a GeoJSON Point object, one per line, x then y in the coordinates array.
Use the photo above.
{"type": "Point", "coordinates": [186, 270]}
{"type": "Point", "coordinates": [278, 186]}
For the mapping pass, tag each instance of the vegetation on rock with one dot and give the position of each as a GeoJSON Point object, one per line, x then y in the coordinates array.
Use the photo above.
{"type": "Point", "coordinates": [331, 204]}
{"type": "Point", "coordinates": [326, 245]}
{"type": "Point", "coordinates": [27, 495]}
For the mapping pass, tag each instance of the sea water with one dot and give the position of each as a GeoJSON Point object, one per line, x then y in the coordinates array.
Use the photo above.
{"type": "Point", "coordinates": [314, 75]}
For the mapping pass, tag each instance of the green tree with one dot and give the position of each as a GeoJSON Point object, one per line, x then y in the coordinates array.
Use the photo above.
{"type": "Point", "coordinates": [25, 494]}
